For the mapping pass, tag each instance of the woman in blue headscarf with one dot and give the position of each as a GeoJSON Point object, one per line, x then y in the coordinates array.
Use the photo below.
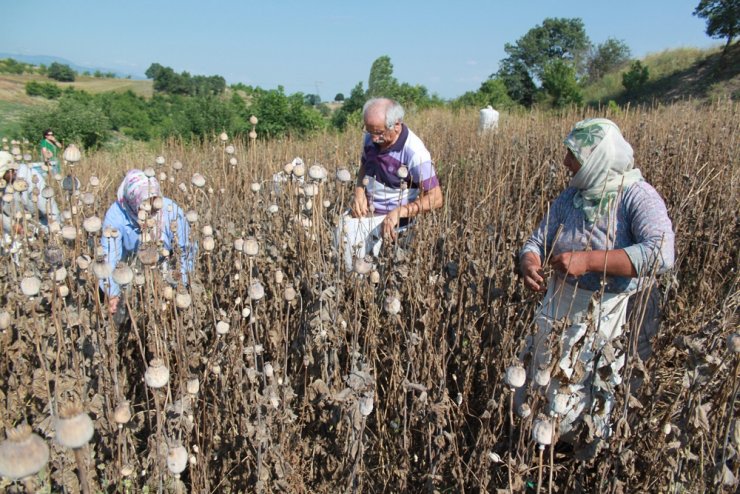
{"type": "Point", "coordinates": [605, 238]}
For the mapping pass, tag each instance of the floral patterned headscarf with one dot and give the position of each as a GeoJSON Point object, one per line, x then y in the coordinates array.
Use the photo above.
{"type": "Point", "coordinates": [607, 165]}
{"type": "Point", "coordinates": [6, 163]}
{"type": "Point", "coordinates": [135, 189]}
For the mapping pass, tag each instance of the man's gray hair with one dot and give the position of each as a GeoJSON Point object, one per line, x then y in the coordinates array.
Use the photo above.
{"type": "Point", "coordinates": [394, 112]}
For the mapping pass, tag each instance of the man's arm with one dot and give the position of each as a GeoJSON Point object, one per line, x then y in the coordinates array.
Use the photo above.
{"type": "Point", "coordinates": [359, 201]}
{"type": "Point", "coordinates": [427, 201]}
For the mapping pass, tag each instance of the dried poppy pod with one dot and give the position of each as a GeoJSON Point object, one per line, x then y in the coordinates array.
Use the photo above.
{"type": "Point", "coordinates": [88, 198]}
{"type": "Point", "coordinates": [94, 181]}
{"type": "Point", "coordinates": [256, 290]}
{"type": "Point", "coordinates": [208, 244]}
{"type": "Point", "coordinates": [524, 410]}
{"type": "Point", "coordinates": [60, 274]}
{"type": "Point", "coordinates": [273, 208]}
{"type": "Point", "coordinates": [344, 176]}
{"type": "Point", "coordinates": [20, 185]}
{"type": "Point", "coordinates": [158, 202]}
{"type": "Point", "coordinates": [515, 376]}
{"type": "Point", "coordinates": [122, 413]}
{"type": "Point", "coordinates": [72, 154]}
{"type": "Point", "coordinates": [233, 161]}
{"type": "Point", "coordinates": [361, 266]}
{"type": "Point", "coordinates": [101, 270]}
{"type": "Point", "coordinates": [149, 172]}
{"type": "Point", "coordinates": [252, 134]}
{"type": "Point", "coordinates": [251, 247]}
{"type": "Point", "coordinates": [374, 277]}
{"type": "Point", "coordinates": [69, 232]}
{"type": "Point", "coordinates": [139, 279]}
{"type": "Point", "coordinates": [22, 454]}
{"type": "Point", "coordinates": [542, 432]}
{"type": "Point", "coordinates": [207, 230]}
{"type": "Point", "coordinates": [289, 294]}
{"type": "Point", "coordinates": [83, 262]}
{"type": "Point", "coordinates": [160, 160]}
{"type": "Point", "coordinates": [255, 187]}
{"type": "Point", "coordinates": [148, 256]}
{"type": "Point", "coordinates": [30, 286]}
{"type": "Point", "coordinates": [299, 169]}
{"type": "Point", "coordinates": [192, 386]}
{"type": "Point", "coordinates": [230, 149]}
{"type": "Point", "coordinates": [288, 168]}
{"type": "Point", "coordinates": [269, 371]}
{"type": "Point", "coordinates": [278, 276]}
{"type": "Point", "coordinates": [402, 172]}
{"type": "Point", "coordinates": [223, 137]}
{"type": "Point", "coordinates": [542, 377]}
{"type": "Point", "coordinates": [177, 459]}
{"type": "Point", "coordinates": [253, 120]}
{"type": "Point", "coordinates": [183, 300]}
{"type": "Point", "coordinates": [4, 319]}
{"type": "Point", "coordinates": [74, 428]}
{"type": "Point", "coordinates": [198, 180]}
{"type": "Point", "coordinates": [222, 327]}
{"type": "Point", "coordinates": [123, 274]}
{"type": "Point", "coordinates": [92, 224]}
{"type": "Point", "coordinates": [559, 405]}
{"type": "Point", "coordinates": [317, 172]}
{"type": "Point", "coordinates": [54, 256]}
{"type": "Point", "coordinates": [156, 375]}
{"type": "Point", "coordinates": [63, 290]}
{"type": "Point", "coordinates": [392, 305]}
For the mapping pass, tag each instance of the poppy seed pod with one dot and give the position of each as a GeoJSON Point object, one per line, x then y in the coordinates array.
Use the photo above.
{"type": "Point", "coordinates": [542, 432]}
{"type": "Point", "coordinates": [156, 375]}
{"type": "Point", "coordinates": [733, 343]}
{"type": "Point", "coordinates": [4, 319]}
{"type": "Point", "coordinates": [361, 266]}
{"type": "Point", "coordinates": [69, 232]}
{"type": "Point", "coordinates": [122, 413]}
{"type": "Point", "coordinates": [223, 136]}
{"type": "Point", "coordinates": [72, 154]}
{"type": "Point", "coordinates": [123, 274]}
{"type": "Point", "coordinates": [159, 160]}
{"type": "Point", "coordinates": [222, 327]}
{"type": "Point", "coordinates": [198, 180]}
{"type": "Point", "coordinates": [92, 224]}
{"type": "Point", "coordinates": [515, 376]}
{"type": "Point", "coordinates": [343, 175]}
{"type": "Point", "coordinates": [60, 274]}
{"type": "Point", "coordinates": [559, 404]}
{"type": "Point", "coordinates": [233, 161]}
{"type": "Point", "coordinates": [252, 134]}
{"type": "Point", "coordinates": [83, 262]}
{"type": "Point", "coordinates": [402, 172]}
{"type": "Point", "coordinates": [239, 245]}
{"type": "Point", "coordinates": [191, 216]}
{"type": "Point", "coordinates": [256, 187]}
{"type": "Point", "coordinates": [208, 244]}
{"type": "Point", "coordinates": [278, 276]}
{"type": "Point", "coordinates": [177, 459]}
{"type": "Point", "coordinates": [251, 247]}
{"type": "Point", "coordinates": [88, 198]}
{"type": "Point", "coordinates": [23, 453]}
{"type": "Point", "coordinates": [524, 410]}
{"type": "Point", "coordinates": [177, 165]}
{"type": "Point", "coordinates": [269, 371]}
{"type": "Point", "coordinates": [74, 428]}
{"type": "Point", "coordinates": [289, 294]}
{"type": "Point", "coordinates": [392, 305]}
{"type": "Point", "coordinates": [299, 170]}
{"type": "Point", "coordinates": [183, 300]}
{"type": "Point", "coordinates": [317, 172]}
{"type": "Point", "coordinates": [149, 172]}
{"type": "Point", "coordinates": [230, 149]}
{"type": "Point", "coordinates": [192, 386]}
{"type": "Point", "coordinates": [542, 377]}
{"type": "Point", "coordinates": [20, 185]}
{"type": "Point", "coordinates": [288, 168]}
{"type": "Point", "coordinates": [101, 270]}
{"type": "Point", "coordinates": [94, 181]}
{"type": "Point", "coordinates": [374, 277]}
{"type": "Point", "coordinates": [273, 208]}
{"type": "Point", "coordinates": [256, 290]}
{"type": "Point", "coordinates": [148, 256]}
{"type": "Point", "coordinates": [30, 286]}
{"type": "Point", "coordinates": [253, 120]}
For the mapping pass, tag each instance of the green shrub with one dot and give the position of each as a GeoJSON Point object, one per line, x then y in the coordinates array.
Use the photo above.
{"type": "Point", "coordinates": [47, 90]}
{"type": "Point", "coordinates": [636, 77]}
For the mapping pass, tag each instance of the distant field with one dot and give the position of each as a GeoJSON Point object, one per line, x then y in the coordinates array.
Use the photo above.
{"type": "Point", "coordinates": [13, 87]}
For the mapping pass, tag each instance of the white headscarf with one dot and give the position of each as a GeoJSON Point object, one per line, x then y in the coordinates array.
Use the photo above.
{"type": "Point", "coordinates": [6, 163]}
{"type": "Point", "coordinates": [607, 165]}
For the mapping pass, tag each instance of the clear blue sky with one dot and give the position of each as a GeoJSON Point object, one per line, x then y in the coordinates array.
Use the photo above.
{"type": "Point", "coordinates": [327, 46]}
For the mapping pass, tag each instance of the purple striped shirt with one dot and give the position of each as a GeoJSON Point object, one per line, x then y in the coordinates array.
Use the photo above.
{"type": "Point", "coordinates": [381, 168]}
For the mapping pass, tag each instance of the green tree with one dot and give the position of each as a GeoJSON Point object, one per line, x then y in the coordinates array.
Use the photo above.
{"type": "Point", "coordinates": [605, 57]}
{"type": "Point", "coordinates": [492, 92]}
{"type": "Point", "coordinates": [44, 89]}
{"type": "Point", "coordinates": [559, 81]}
{"type": "Point", "coordinates": [339, 97]}
{"type": "Point", "coordinates": [636, 77]}
{"type": "Point", "coordinates": [381, 81]}
{"type": "Point", "coordinates": [351, 105]}
{"type": "Point", "coordinates": [77, 118]}
{"type": "Point", "coordinates": [61, 72]}
{"type": "Point", "coordinates": [723, 18]}
{"type": "Point", "coordinates": [555, 39]}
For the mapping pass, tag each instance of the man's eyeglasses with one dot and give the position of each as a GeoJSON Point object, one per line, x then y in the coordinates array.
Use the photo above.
{"type": "Point", "coordinates": [374, 133]}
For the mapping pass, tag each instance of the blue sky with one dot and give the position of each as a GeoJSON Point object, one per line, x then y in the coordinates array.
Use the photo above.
{"type": "Point", "coordinates": [327, 46]}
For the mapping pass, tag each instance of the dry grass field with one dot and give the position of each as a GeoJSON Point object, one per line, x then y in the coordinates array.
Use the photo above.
{"type": "Point", "coordinates": [288, 375]}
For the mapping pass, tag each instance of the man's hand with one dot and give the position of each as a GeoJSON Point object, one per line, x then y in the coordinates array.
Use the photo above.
{"type": "Point", "coordinates": [572, 263]}
{"type": "Point", "coordinates": [531, 267]}
{"type": "Point", "coordinates": [390, 223]}
{"type": "Point", "coordinates": [113, 304]}
{"type": "Point", "coordinates": [359, 203]}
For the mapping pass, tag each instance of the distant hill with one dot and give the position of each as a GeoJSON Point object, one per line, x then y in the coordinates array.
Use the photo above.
{"type": "Point", "coordinates": [48, 60]}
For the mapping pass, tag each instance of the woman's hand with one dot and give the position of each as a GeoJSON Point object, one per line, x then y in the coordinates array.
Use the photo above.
{"type": "Point", "coordinates": [359, 203]}
{"type": "Point", "coordinates": [532, 272]}
{"type": "Point", "coordinates": [571, 263]}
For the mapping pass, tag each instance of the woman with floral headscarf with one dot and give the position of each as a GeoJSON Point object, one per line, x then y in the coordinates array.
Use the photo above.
{"type": "Point", "coordinates": [141, 213]}
{"type": "Point", "coordinates": [605, 237]}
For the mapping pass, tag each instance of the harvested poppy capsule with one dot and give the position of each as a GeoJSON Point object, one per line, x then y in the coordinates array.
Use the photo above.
{"type": "Point", "coordinates": [515, 376]}
{"type": "Point", "coordinates": [72, 154]}
{"type": "Point", "coordinates": [343, 175]}
{"type": "Point", "coordinates": [22, 454]}
{"type": "Point", "coordinates": [74, 428]}
{"type": "Point", "coordinates": [157, 375]}
{"type": "Point", "coordinates": [177, 459]}
{"type": "Point", "coordinates": [542, 432]}
{"type": "Point", "coordinates": [92, 224]}
{"type": "Point", "coordinates": [30, 286]}
{"type": "Point", "coordinates": [122, 413]}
